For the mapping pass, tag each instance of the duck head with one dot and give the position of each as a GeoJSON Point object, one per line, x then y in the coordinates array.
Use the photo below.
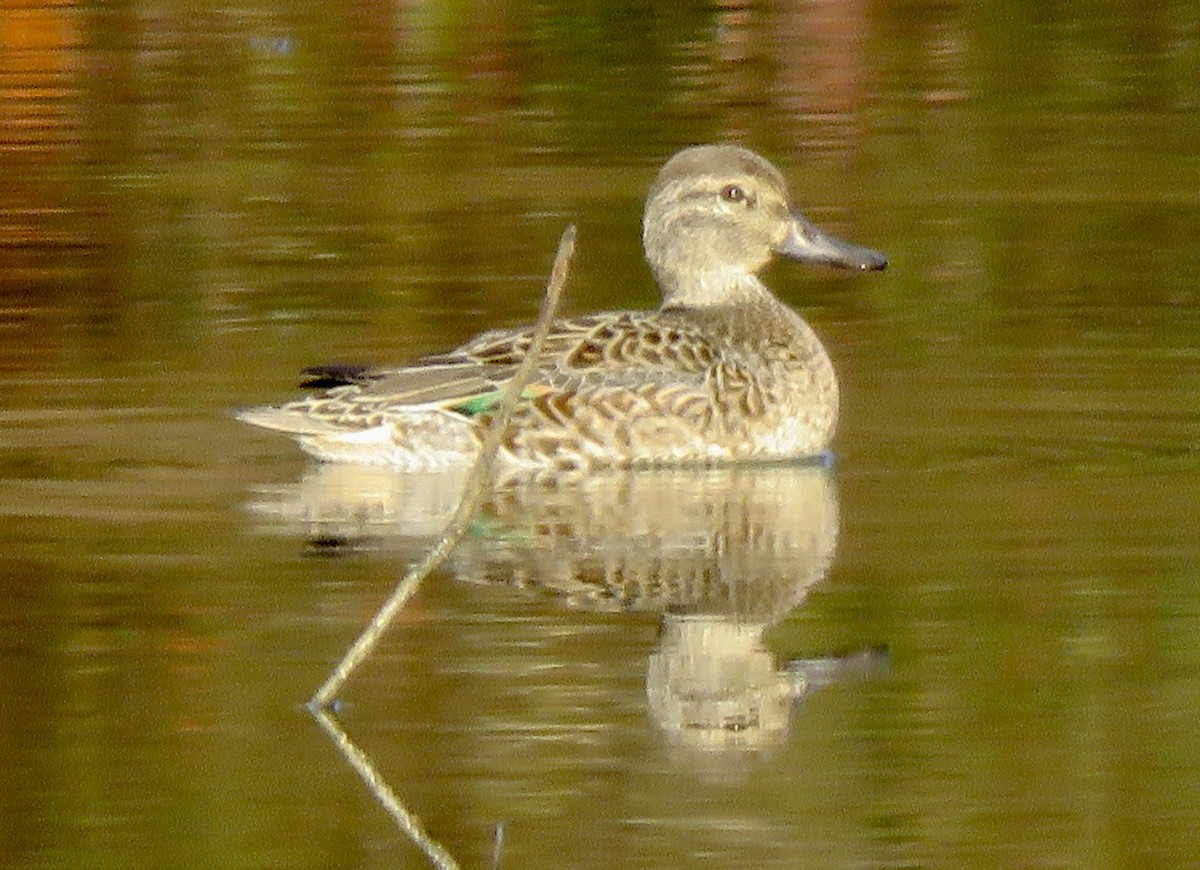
{"type": "Point", "coordinates": [717, 214]}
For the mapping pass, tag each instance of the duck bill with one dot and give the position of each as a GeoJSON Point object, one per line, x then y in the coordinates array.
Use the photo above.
{"type": "Point", "coordinates": [806, 243]}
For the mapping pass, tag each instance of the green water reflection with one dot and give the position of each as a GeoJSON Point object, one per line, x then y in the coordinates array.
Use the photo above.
{"type": "Point", "coordinates": [199, 203]}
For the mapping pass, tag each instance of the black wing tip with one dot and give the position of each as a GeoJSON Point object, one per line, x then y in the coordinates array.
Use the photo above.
{"type": "Point", "coordinates": [330, 376]}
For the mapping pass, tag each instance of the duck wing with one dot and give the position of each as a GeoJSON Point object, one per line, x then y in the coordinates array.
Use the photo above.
{"type": "Point", "coordinates": [608, 348]}
{"type": "Point", "coordinates": [631, 351]}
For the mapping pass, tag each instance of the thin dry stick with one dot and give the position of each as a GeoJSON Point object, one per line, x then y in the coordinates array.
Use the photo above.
{"type": "Point", "coordinates": [497, 845]}
{"type": "Point", "coordinates": [438, 855]}
{"type": "Point", "coordinates": [473, 489]}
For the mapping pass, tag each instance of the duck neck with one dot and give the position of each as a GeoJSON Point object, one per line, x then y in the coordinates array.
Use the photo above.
{"type": "Point", "coordinates": [711, 288]}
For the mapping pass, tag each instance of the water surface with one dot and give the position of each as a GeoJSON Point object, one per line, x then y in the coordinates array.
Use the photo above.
{"type": "Point", "coordinates": [199, 204]}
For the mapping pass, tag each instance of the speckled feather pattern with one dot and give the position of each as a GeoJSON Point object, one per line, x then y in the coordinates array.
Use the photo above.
{"type": "Point", "coordinates": [722, 371]}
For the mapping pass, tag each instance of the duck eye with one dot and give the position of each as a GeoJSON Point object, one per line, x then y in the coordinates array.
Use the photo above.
{"type": "Point", "coordinates": [733, 193]}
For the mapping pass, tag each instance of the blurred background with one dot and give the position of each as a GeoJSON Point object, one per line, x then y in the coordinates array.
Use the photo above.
{"type": "Point", "coordinates": [198, 201]}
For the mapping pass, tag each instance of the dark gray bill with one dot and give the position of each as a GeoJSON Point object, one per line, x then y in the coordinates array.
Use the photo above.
{"type": "Point", "coordinates": [806, 243]}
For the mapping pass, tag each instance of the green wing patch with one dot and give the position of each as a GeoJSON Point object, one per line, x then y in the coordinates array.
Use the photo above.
{"type": "Point", "coordinates": [485, 402]}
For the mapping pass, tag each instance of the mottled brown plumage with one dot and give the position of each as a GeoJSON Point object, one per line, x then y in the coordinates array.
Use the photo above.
{"type": "Point", "coordinates": [722, 371]}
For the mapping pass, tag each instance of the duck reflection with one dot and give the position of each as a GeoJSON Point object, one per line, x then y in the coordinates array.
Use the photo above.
{"type": "Point", "coordinates": [722, 553]}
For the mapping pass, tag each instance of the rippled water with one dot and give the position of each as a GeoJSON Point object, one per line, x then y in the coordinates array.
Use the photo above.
{"type": "Point", "coordinates": [971, 642]}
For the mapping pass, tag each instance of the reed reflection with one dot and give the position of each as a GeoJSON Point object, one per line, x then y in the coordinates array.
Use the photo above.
{"type": "Point", "coordinates": [722, 553]}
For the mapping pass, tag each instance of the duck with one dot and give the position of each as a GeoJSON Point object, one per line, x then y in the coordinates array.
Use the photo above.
{"type": "Point", "coordinates": [722, 371]}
